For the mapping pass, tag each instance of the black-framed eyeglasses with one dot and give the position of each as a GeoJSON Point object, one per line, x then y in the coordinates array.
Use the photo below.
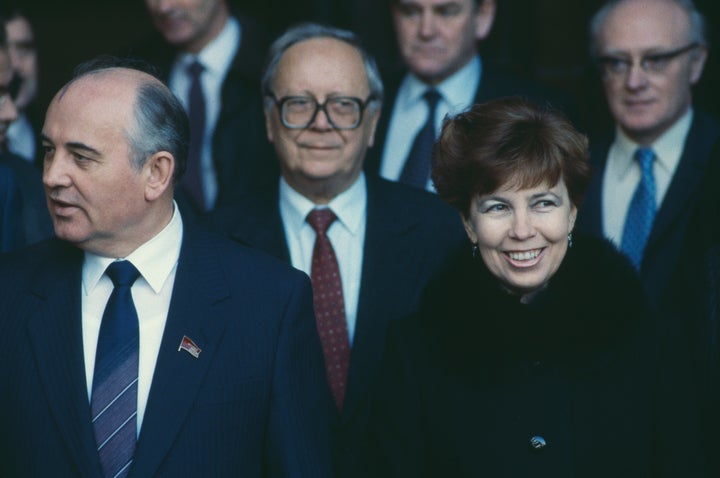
{"type": "Point", "coordinates": [342, 112]}
{"type": "Point", "coordinates": [653, 63]}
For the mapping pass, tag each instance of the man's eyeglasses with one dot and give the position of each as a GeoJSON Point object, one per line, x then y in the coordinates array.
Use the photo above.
{"type": "Point", "coordinates": [10, 91]}
{"type": "Point", "coordinates": [615, 66]}
{"type": "Point", "coordinates": [342, 112]}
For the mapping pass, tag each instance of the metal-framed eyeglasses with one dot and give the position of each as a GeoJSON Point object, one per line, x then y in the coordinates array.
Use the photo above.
{"type": "Point", "coordinates": [342, 112]}
{"type": "Point", "coordinates": [653, 63]}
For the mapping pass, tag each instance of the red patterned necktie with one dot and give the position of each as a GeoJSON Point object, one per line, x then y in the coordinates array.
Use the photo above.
{"type": "Point", "coordinates": [329, 305]}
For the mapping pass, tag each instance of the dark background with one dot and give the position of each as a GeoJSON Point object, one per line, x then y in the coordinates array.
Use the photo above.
{"type": "Point", "coordinates": [542, 39]}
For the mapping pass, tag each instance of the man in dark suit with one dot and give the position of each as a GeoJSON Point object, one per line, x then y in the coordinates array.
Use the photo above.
{"type": "Point", "coordinates": [323, 97]}
{"type": "Point", "coordinates": [35, 223]}
{"type": "Point", "coordinates": [211, 353]}
{"type": "Point", "coordinates": [230, 155]}
{"type": "Point", "coordinates": [10, 206]}
{"type": "Point", "coordinates": [646, 179]}
{"type": "Point", "coordinates": [437, 40]}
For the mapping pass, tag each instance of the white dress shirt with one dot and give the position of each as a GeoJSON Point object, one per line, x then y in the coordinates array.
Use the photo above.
{"type": "Point", "coordinates": [156, 260]}
{"type": "Point", "coordinates": [21, 138]}
{"type": "Point", "coordinates": [346, 234]}
{"type": "Point", "coordinates": [217, 58]}
{"type": "Point", "coordinates": [410, 111]}
{"type": "Point", "coordinates": [622, 173]}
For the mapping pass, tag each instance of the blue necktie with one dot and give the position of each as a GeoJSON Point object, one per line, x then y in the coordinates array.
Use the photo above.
{"type": "Point", "coordinates": [114, 390]}
{"type": "Point", "coordinates": [417, 166]}
{"type": "Point", "coordinates": [192, 181]}
{"type": "Point", "coordinates": [641, 212]}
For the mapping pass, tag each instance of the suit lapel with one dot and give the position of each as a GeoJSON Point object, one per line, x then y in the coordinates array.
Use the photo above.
{"type": "Point", "coordinates": [385, 243]}
{"type": "Point", "coordinates": [686, 180]}
{"type": "Point", "coordinates": [591, 212]}
{"type": "Point", "coordinates": [55, 332]}
{"type": "Point", "coordinates": [199, 286]}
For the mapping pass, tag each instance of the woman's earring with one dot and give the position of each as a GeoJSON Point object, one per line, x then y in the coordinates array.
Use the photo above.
{"type": "Point", "coordinates": [570, 241]}
{"type": "Point", "coordinates": [475, 250]}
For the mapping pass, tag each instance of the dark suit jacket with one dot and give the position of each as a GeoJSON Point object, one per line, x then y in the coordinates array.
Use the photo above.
{"type": "Point", "coordinates": [36, 222]}
{"type": "Point", "coordinates": [243, 157]}
{"type": "Point", "coordinates": [668, 232]}
{"type": "Point", "coordinates": [493, 85]}
{"type": "Point", "coordinates": [11, 231]}
{"type": "Point", "coordinates": [253, 404]}
{"type": "Point", "coordinates": [409, 234]}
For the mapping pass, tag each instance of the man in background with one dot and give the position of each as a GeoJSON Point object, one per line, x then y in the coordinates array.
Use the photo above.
{"type": "Point", "coordinates": [369, 245]}
{"type": "Point", "coordinates": [437, 40]}
{"type": "Point", "coordinates": [35, 223]}
{"type": "Point", "coordinates": [22, 138]}
{"type": "Point", "coordinates": [650, 53]}
{"type": "Point", "coordinates": [211, 58]}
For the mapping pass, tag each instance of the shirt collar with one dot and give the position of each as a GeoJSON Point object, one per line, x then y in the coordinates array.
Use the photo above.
{"type": "Point", "coordinates": [669, 145]}
{"type": "Point", "coordinates": [348, 206]}
{"type": "Point", "coordinates": [454, 89]}
{"type": "Point", "coordinates": [154, 260]}
{"type": "Point", "coordinates": [217, 55]}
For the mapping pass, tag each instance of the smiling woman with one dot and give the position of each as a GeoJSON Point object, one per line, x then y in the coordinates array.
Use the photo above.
{"type": "Point", "coordinates": [533, 354]}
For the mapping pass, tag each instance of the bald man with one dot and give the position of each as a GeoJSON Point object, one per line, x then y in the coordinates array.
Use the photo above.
{"type": "Point", "coordinates": [137, 345]}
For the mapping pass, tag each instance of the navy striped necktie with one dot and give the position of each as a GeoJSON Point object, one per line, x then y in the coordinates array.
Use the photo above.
{"type": "Point", "coordinates": [114, 390]}
{"type": "Point", "coordinates": [416, 171]}
{"type": "Point", "coordinates": [192, 181]}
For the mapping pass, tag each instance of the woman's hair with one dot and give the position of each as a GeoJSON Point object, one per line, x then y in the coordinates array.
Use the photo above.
{"type": "Point", "coordinates": [508, 142]}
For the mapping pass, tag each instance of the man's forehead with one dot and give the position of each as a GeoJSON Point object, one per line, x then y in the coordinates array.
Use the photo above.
{"type": "Point", "coordinates": [436, 3]}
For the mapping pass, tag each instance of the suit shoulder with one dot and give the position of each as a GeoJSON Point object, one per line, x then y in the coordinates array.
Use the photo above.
{"type": "Point", "coordinates": [242, 261]}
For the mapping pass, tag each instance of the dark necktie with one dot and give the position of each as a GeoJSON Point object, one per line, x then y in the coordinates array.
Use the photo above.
{"type": "Point", "coordinates": [329, 305]}
{"type": "Point", "coordinates": [641, 212]}
{"type": "Point", "coordinates": [193, 180]}
{"type": "Point", "coordinates": [417, 166]}
{"type": "Point", "coordinates": [114, 389]}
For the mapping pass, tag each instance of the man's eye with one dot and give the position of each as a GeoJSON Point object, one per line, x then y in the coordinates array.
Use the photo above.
{"type": "Point", "coordinates": [409, 10]}
{"type": "Point", "coordinates": [655, 62]}
{"type": "Point", "coordinates": [448, 10]}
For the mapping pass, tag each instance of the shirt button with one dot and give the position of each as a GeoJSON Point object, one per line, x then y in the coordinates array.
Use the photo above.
{"type": "Point", "coordinates": [537, 443]}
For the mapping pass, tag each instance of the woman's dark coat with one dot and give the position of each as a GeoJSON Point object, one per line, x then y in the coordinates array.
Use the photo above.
{"type": "Point", "coordinates": [581, 382]}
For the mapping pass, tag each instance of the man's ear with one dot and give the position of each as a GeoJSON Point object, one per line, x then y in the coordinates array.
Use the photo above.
{"type": "Point", "coordinates": [159, 172]}
{"type": "Point", "coordinates": [268, 110]}
{"type": "Point", "coordinates": [375, 117]}
{"type": "Point", "coordinates": [698, 64]}
{"type": "Point", "coordinates": [484, 18]}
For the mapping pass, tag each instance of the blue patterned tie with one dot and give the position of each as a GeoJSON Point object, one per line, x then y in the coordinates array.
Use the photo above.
{"type": "Point", "coordinates": [641, 212]}
{"type": "Point", "coordinates": [417, 166]}
{"type": "Point", "coordinates": [114, 390]}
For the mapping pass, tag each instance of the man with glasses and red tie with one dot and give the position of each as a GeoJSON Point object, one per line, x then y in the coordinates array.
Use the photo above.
{"type": "Point", "coordinates": [368, 244]}
{"type": "Point", "coordinates": [649, 53]}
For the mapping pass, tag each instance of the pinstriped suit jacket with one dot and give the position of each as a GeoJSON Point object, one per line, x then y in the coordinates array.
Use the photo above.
{"type": "Point", "coordinates": [254, 403]}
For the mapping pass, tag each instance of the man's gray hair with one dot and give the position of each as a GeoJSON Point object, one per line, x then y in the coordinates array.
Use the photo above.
{"type": "Point", "coordinates": [161, 123]}
{"type": "Point", "coordinates": [698, 27]}
{"type": "Point", "coordinates": [308, 31]}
